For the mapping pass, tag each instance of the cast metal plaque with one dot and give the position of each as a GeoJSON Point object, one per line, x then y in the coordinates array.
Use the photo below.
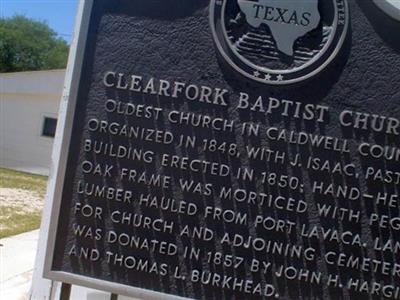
{"type": "Point", "coordinates": [231, 149]}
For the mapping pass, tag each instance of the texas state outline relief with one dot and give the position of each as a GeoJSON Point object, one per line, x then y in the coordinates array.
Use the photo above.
{"type": "Point", "coordinates": [287, 20]}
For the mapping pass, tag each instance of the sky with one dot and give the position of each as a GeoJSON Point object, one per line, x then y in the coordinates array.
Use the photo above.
{"type": "Point", "coordinates": [58, 14]}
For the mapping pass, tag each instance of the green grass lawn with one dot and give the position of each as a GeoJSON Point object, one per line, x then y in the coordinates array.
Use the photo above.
{"type": "Point", "coordinates": [13, 218]}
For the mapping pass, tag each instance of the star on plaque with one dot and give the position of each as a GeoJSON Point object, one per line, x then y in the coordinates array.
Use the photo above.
{"type": "Point", "coordinates": [257, 74]}
{"type": "Point", "coordinates": [267, 77]}
{"type": "Point", "coordinates": [279, 77]}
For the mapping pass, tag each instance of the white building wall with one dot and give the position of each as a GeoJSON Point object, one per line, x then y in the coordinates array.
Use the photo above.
{"type": "Point", "coordinates": [26, 98]}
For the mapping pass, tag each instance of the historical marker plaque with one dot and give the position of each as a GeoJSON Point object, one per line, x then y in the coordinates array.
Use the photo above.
{"type": "Point", "coordinates": [231, 149]}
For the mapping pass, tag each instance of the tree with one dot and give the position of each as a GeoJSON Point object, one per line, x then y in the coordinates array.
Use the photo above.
{"type": "Point", "coordinates": [28, 45]}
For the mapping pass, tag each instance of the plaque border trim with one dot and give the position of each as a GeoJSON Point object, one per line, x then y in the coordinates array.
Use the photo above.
{"type": "Point", "coordinates": [59, 164]}
{"type": "Point", "coordinates": [389, 8]}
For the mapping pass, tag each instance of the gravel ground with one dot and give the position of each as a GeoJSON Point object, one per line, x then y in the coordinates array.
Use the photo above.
{"type": "Point", "coordinates": [23, 200]}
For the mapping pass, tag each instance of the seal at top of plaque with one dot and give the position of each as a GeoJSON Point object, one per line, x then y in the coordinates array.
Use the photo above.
{"type": "Point", "coordinates": [279, 42]}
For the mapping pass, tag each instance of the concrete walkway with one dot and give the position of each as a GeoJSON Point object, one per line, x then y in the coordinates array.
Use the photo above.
{"type": "Point", "coordinates": [17, 258]}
